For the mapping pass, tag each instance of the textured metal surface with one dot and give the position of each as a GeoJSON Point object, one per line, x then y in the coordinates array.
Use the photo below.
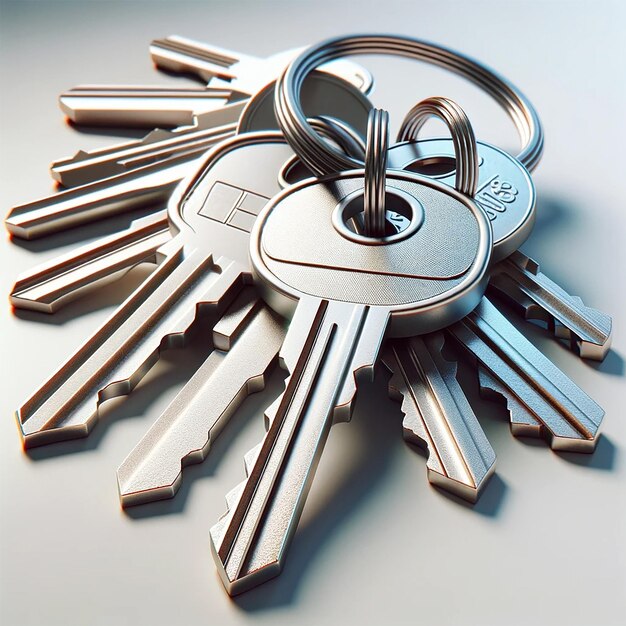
{"type": "Point", "coordinates": [193, 276]}
{"type": "Point", "coordinates": [438, 417]}
{"type": "Point", "coordinates": [184, 432]}
{"type": "Point", "coordinates": [328, 344]}
{"type": "Point", "coordinates": [519, 281]}
{"type": "Point", "coordinates": [452, 243]}
{"type": "Point", "coordinates": [50, 286]}
{"type": "Point", "coordinates": [504, 190]}
{"type": "Point", "coordinates": [542, 400]}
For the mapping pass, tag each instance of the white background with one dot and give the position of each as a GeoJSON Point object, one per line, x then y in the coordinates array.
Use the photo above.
{"type": "Point", "coordinates": [546, 542]}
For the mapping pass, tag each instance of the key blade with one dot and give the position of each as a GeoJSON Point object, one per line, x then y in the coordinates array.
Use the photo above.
{"type": "Point", "coordinates": [147, 186]}
{"type": "Point", "coordinates": [140, 107]}
{"type": "Point", "coordinates": [251, 335]}
{"type": "Point", "coordinates": [157, 315]}
{"type": "Point", "coordinates": [156, 147]}
{"type": "Point", "coordinates": [519, 281]}
{"type": "Point", "coordinates": [50, 286]}
{"type": "Point", "coordinates": [183, 55]}
{"type": "Point", "coordinates": [565, 415]}
{"type": "Point", "coordinates": [250, 541]}
{"type": "Point", "coordinates": [225, 68]}
{"type": "Point", "coordinates": [438, 416]}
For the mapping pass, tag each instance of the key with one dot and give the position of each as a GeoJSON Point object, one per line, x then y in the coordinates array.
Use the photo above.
{"type": "Point", "coordinates": [222, 101]}
{"type": "Point", "coordinates": [148, 185]}
{"type": "Point", "coordinates": [507, 195]}
{"type": "Point", "coordinates": [519, 281]}
{"type": "Point", "coordinates": [541, 399]}
{"type": "Point", "coordinates": [204, 267]}
{"type": "Point", "coordinates": [323, 95]}
{"type": "Point", "coordinates": [50, 286]}
{"type": "Point", "coordinates": [138, 106]}
{"type": "Point", "coordinates": [438, 416]}
{"type": "Point", "coordinates": [247, 73]}
{"type": "Point", "coordinates": [348, 291]}
{"type": "Point", "coordinates": [247, 340]}
{"type": "Point", "coordinates": [157, 146]}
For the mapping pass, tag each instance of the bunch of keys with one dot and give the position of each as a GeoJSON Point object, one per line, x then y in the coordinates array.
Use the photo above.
{"type": "Point", "coordinates": [391, 264]}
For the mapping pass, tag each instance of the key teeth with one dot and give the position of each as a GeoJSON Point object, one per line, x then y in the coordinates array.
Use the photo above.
{"type": "Point", "coordinates": [524, 424]}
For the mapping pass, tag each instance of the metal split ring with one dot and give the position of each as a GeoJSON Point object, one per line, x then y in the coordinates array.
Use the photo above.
{"type": "Point", "coordinates": [324, 159]}
{"type": "Point", "coordinates": [462, 133]}
{"type": "Point", "coordinates": [341, 133]}
{"type": "Point", "coordinates": [375, 172]}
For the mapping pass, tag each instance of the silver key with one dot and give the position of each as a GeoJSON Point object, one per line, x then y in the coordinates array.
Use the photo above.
{"type": "Point", "coordinates": [323, 94]}
{"type": "Point", "coordinates": [157, 146]}
{"type": "Point", "coordinates": [143, 106]}
{"type": "Point", "coordinates": [222, 101]}
{"type": "Point", "coordinates": [50, 286]}
{"type": "Point", "coordinates": [507, 195]}
{"type": "Point", "coordinates": [151, 185]}
{"type": "Point", "coordinates": [519, 281]}
{"type": "Point", "coordinates": [438, 417]}
{"type": "Point", "coordinates": [147, 186]}
{"type": "Point", "coordinates": [347, 295]}
{"type": "Point", "coordinates": [203, 268]}
{"type": "Point", "coordinates": [542, 400]}
{"type": "Point", "coordinates": [247, 340]}
{"type": "Point", "coordinates": [240, 71]}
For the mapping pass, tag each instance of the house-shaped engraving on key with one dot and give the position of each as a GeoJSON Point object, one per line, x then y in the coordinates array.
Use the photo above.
{"type": "Point", "coordinates": [233, 206]}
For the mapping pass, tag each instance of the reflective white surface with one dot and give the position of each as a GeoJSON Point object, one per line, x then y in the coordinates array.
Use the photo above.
{"type": "Point", "coordinates": [546, 544]}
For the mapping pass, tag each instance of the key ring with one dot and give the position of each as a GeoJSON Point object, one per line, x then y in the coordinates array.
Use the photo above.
{"type": "Point", "coordinates": [462, 133]}
{"type": "Point", "coordinates": [375, 172]}
{"type": "Point", "coordinates": [465, 150]}
{"type": "Point", "coordinates": [323, 159]}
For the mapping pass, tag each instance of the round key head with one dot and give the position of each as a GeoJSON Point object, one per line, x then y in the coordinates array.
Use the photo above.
{"type": "Point", "coordinates": [217, 205]}
{"type": "Point", "coordinates": [505, 189]}
{"type": "Point", "coordinates": [322, 94]}
{"type": "Point", "coordinates": [305, 243]}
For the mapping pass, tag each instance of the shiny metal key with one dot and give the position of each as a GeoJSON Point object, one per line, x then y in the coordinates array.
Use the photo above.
{"type": "Point", "coordinates": [52, 285]}
{"type": "Point", "coordinates": [204, 267]}
{"type": "Point", "coordinates": [240, 71]}
{"type": "Point", "coordinates": [438, 417]}
{"type": "Point", "coordinates": [519, 281]}
{"type": "Point", "coordinates": [348, 292]}
{"type": "Point", "coordinates": [541, 399]}
{"type": "Point", "coordinates": [144, 106]}
{"type": "Point", "coordinates": [507, 195]}
{"type": "Point", "coordinates": [236, 80]}
{"type": "Point", "coordinates": [323, 95]}
{"type": "Point", "coordinates": [247, 340]}
{"type": "Point", "coordinates": [156, 147]}
{"type": "Point", "coordinates": [147, 186]}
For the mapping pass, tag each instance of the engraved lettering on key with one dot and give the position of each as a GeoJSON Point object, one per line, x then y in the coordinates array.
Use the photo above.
{"type": "Point", "coordinates": [497, 198]}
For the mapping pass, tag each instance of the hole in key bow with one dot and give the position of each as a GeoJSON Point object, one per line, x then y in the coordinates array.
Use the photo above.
{"type": "Point", "coordinates": [404, 215]}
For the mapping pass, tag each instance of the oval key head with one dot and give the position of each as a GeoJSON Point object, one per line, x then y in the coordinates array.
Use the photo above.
{"type": "Point", "coordinates": [505, 189]}
{"type": "Point", "coordinates": [428, 275]}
